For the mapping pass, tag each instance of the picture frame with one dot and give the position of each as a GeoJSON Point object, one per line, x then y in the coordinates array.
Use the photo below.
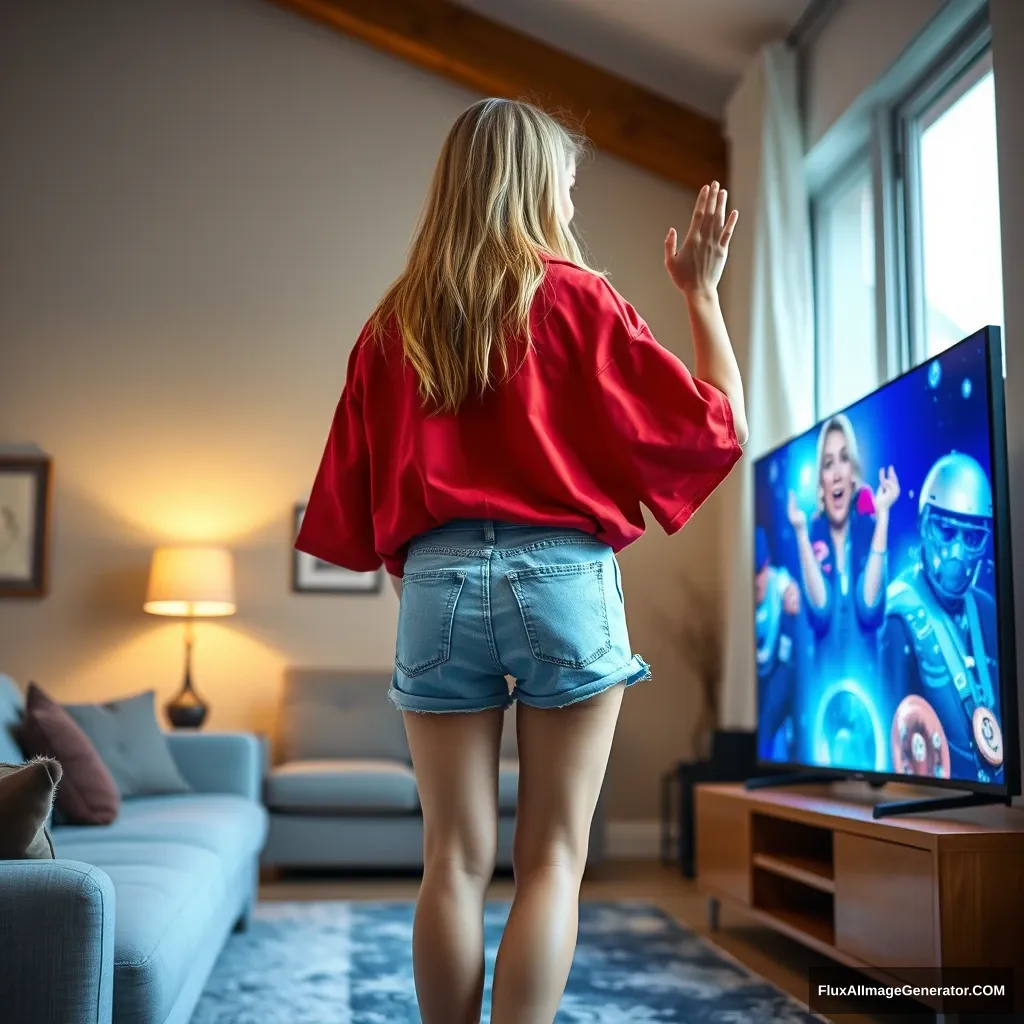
{"type": "Point", "coordinates": [311, 575]}
{"type": "Point", "coordinates": [25, 498]}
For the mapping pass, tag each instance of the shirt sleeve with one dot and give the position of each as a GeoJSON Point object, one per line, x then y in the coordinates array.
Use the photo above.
{"type": "Point", "coordinates": [672, 435]}
{"type": "Point", "coordinates": [337, 526]}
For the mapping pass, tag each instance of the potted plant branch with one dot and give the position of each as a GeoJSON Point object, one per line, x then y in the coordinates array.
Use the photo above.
{"type": "Point", "coordinates": [698, 635]}
{"type": "Point", "coordinates": [718, 755]}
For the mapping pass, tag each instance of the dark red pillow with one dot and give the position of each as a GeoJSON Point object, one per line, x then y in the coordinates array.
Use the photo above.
{"type": "Point", "coordinates": [87, 794]}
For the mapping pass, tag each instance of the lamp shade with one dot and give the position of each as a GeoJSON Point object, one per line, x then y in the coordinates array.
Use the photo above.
{"type": "Point", "coordinates": [191, 582]}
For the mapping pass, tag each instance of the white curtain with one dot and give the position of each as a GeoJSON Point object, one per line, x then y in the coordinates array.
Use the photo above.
{"type": "Point", "coordinates": [768, 303]}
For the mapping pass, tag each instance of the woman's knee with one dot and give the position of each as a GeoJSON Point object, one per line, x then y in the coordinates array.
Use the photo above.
{"type": "Point", "coordinates": [469, 856]}
{"type": "Point", "coordinates": [562, 854]}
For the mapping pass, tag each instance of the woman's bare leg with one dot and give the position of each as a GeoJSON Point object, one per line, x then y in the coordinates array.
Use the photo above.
{"type": "Point", "coordinates": [563, 757]}
{"type": "Point", "coordinates": [455, 757]}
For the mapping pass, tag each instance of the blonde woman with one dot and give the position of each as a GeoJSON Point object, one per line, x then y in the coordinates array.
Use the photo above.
{"type": "Point", "coordinates": [843, 555]}
{"type": "Point", "coordinates": [504, 415]}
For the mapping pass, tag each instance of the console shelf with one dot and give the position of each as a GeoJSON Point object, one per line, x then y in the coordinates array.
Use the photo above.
{"type": "Point", "coordinates": [938, 890]}
{"type": "Point", "coordinates": [800, 869]}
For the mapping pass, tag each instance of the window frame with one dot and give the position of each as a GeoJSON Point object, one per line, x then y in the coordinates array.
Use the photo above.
{"type": "Point", "coordinates": [890, 143]}
{"type": "Point", "coordinates": [946, 81]}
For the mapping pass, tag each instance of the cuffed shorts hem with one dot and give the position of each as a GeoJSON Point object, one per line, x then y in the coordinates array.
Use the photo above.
{"type": "Point", "coordinates": [445, 705]}
{"type": "Point", "coordinates": [635, 671]}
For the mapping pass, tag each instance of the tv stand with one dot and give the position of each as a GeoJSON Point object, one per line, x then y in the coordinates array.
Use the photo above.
{"type": "Point", "coordinates": [938, 803]}
{"type": "Point", "coordinates": [884, 897]}
{"type": "Point", "coordinates": [791, 779]}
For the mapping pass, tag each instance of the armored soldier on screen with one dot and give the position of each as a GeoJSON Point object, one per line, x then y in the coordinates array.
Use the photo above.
{"type": "Point", "coordinates": [776, 606]}
{"type": "Point", "coordinates": [940, 641]}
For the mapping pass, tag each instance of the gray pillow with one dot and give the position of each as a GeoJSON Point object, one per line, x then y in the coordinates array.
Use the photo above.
{"type": "Point", "coordinates": [128, 738]}
{"type": "Point", "coordinates": [26, 796]}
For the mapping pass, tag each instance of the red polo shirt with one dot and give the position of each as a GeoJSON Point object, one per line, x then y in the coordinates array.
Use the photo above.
{"type": "Point", "coordinates": [598, 420]}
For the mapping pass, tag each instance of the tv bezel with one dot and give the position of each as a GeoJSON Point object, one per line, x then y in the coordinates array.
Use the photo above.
{"type": "Point", "coordinates": [1003, 569]}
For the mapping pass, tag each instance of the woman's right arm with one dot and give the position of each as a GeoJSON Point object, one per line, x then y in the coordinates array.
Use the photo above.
{"type": "Point", "coordinates": [672, 435]}
{"type": "Point", "coordinates": [696, 268]}
{"type": "Point", "coordinates": [714, 360]}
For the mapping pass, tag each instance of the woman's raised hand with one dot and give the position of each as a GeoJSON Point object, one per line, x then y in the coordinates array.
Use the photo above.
{"type": "Point", "coordinates": [696, 266]}
{"type": "Point", "coordinates": [888, 490]}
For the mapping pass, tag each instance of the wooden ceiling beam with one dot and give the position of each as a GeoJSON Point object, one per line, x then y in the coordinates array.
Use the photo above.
{"type": "Point", "coordinates": [639, 126]}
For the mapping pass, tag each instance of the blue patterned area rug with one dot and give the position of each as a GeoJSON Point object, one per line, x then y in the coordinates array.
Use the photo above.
{"type": "Point", "coordinates": [350, 962]}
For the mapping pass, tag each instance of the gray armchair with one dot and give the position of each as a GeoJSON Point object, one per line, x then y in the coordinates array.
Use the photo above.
{"type": "Point", "coordinates": [341, 791]}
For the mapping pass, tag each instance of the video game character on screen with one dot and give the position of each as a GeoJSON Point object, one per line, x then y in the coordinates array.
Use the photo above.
{"type": "Point", "coordinates": [939, 643]}
{"type": "Point", "coordinates": [776, 607]}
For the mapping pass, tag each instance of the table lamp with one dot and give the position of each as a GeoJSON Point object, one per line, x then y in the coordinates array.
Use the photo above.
{"type": "Point", "coordinates": [190, 583]}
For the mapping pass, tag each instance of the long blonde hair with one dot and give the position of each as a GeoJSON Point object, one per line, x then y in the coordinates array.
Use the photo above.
{"type": "Point", "coordinates": [475, 264]}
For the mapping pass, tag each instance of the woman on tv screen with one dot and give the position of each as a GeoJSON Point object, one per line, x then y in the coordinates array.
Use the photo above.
{"type": "Point", "coordinates": [843, 551]}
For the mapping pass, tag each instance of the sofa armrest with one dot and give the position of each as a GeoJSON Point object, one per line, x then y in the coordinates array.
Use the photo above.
{"type": "Point", "coordinates": [57, 937]}
{"type": "Point", "coordinates": [220, 762]}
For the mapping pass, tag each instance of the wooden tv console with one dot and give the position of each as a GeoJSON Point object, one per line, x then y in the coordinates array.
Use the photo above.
{"type": "Point", "coordinates": [935, 890]}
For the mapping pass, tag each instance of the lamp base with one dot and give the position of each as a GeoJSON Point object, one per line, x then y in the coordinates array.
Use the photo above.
{"type": "Point", "coordinates": [187, 710]}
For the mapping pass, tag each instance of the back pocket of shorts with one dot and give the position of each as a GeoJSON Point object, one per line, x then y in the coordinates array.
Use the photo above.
{"type": "Point", "coordinates": [564, 612]}
{"type": "Point", "coordinates": [425, 617]}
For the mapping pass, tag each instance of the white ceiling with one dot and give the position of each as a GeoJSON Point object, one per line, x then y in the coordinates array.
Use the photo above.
{"type": "Point", "coordinates": [692, 51]}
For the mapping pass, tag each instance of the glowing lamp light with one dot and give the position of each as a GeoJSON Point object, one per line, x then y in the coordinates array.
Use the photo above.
{"type": "Point", "coordinates": [190, 583]}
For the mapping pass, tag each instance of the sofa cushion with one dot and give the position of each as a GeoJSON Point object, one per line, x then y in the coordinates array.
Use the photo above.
{"type": "Point", "coordinates": [26, 799]}
{"type": "Point", "coordinates": [353, 784]}
{"type": "Point", "coordinates": [88, 794]}
{"type": "Point", "coordinates": [508, 784]}
{"type": "Point", "coordinates": [167, 895]}
{"type": "Point", "coordinates": [230, 827]}
{"type": "Point", "coordinates": [329, 713]}
{"type": "Point", "coordinates": [133, 746]}
{"type": "Point", "coordinates": [172, 860]}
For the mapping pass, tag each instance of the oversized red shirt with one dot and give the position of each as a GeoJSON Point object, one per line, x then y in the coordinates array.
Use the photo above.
{"type": "Point", "coordinates": [597, 420]}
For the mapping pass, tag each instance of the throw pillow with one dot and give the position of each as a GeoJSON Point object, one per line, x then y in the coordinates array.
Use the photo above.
{"type": "Point", "coordinates": [26, 796]}
{"type": "Point", "coordinates": [133, 746]}
{"type": "Point", "coordinates": [88, 794]}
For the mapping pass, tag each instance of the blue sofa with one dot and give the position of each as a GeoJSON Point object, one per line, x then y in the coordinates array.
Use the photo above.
{"type": "Point", "coordinates": [127, 923]}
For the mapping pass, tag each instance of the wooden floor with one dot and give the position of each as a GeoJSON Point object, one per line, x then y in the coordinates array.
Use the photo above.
{"type": "Point", "coordinates": [772, 956]}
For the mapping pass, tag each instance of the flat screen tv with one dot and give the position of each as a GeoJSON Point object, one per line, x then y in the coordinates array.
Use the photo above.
{"type": "Point", "coordinates": [882, 587]}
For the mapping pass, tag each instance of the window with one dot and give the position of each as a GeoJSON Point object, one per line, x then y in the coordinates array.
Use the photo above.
{"type": "Point", "coordinates": [952, 203]}
{"type": "Point", "coordinates": [845, 332]}
{"type": "Point", "coordinates": [907, 246]}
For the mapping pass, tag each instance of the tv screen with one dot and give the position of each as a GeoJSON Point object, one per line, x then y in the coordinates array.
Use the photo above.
{"type": "Point", "coordinates": [881, 599]}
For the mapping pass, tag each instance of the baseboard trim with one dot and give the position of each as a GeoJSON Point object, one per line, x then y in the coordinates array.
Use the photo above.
{"type": "Point", "coordinates": [633, 840]}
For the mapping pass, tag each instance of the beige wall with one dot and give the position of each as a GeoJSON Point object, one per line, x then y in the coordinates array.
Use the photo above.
{"type": "Point", "coordinates": [201, 203]}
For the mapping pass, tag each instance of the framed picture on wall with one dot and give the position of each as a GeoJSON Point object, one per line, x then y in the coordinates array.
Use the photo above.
{"type": "Point", "coordinates": [24, 525]}
{"type": "Point", "coordinates": [312, 575]}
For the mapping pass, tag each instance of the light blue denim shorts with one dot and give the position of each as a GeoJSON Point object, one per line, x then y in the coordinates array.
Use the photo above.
{"type": "Point", "coordinates": [485, 601]}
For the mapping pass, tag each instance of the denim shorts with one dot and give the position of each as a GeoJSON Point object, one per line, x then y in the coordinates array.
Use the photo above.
{"type": "Point", "coordinates": [484, 602]}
